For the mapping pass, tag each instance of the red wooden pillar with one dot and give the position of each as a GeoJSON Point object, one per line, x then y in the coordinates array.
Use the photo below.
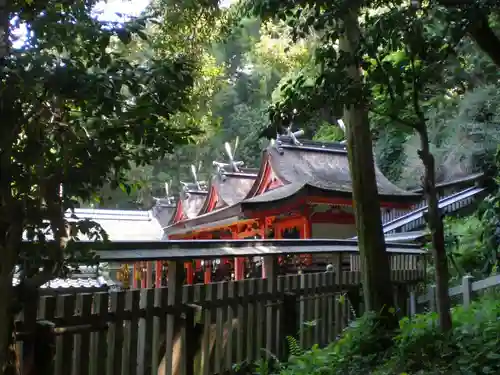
{"type": "Point", "coordinates": [239, 262]}
{"type": "Point", "coordinates": [207, 275]}
{"type": "Point", "coordinates": [135, 276]}
{"type": "Point", "coordinates": [239, 268]}
{"type": "Point", "coordinates": [147, 275]}
{"type": "Point", "coordinates": [189, 272]}
{"type": "Point", "coordinates": [306, 232]}
{"type": "Point", "coordinates": [263, 231]}
{"type": "Point", "coordinates": [143, 278]}
{"type": "Point", "coordinates": [277, 236]}
{"type": "Point", "coordinates": [158, 273]}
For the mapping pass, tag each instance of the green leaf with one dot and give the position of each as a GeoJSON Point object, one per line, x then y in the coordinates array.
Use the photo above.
{"type": "Point", "coordinates": [124, 35]}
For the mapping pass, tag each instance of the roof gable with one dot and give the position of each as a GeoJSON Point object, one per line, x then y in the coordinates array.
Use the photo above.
{"type": "Point", "coordinates": [324, 166]}
{"type": "Point", "coordinates": [289, 168]}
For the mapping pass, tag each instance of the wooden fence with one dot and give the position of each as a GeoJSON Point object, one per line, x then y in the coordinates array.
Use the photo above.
{"type": "Point", "coordinates": [132, 332]}
{"type": "Point", "coordinates": [466, 290]}
{"type": "Point", "coordinates": [121, 332]}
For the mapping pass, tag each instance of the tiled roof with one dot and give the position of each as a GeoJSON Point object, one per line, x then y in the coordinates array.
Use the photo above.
{"type": "Point", "coordinates": [323, 165]}
{"type": "Point", "coordinates": [74, 282]}
{"type": "Point", "coordinates": [234, 187]}
{"type": "Point", "coordinates": [71, 283]}
{"type": "Point", "coordinates": [123, 225]}
{"type": "Point", "coordinates": [84, 277]}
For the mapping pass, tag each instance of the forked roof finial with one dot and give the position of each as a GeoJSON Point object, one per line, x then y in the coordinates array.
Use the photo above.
{"type": "Point", "coordinates": [294, 135]}
{"type": "Point", "coordinates": [231, 153]}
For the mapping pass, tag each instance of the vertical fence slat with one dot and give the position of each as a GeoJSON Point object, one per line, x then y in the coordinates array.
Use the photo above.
{"type": "Point", "coordinates": [207, 320]}
{"type": "Point", "coordinates": [317, 301]}
{"type": "Point", "coordinates": [189, 339]}
{"type": "Point", "coordinates": [118, 307]}
{"type": "Point", "coordinates": [241, 289]}
{"type": "Point", "coordinates": [66, 308]}
{"type": "Point", "coordinates": [146, 354]}
{"type": "Point", "coordinates": [82, 343]}
{"type": "Point", "coordinates": [219, 330]}
{"type": "Point", "coordinates": [173, 350]}
{"type": "Point", "coordinates": [47, 311]}
{"type": "Point", "coordinates": [260, 317]}
{"type": "Point", "coordinates": [324, 309]}
{"type": "Point", "coordinates": [272, 287]}
{"type": "Point", "coordinates": [330, 300]}
{"type": "Point", "coordinates": [231, 312]}
{"type": "Point", "coordinates": [134, 298]}
{"type": "Point", "coordinates": [250, 333]}
{"type": "Point", "coordinates": [289, 320]}
{"type": "Point", "coordinates": [309, 310]}
{"type": "Point", "coordinates": [100, 347]}
{"type": "Point", "coordinates": [157, 331]}
{"type": "Point", "coordinates": [302, 310]}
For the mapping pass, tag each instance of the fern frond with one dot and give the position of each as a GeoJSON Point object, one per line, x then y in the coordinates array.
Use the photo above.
{"type": "Point", "coordinates": [293, 346]}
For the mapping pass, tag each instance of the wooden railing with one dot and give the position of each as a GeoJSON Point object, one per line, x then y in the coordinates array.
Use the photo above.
{"type": "Point", "coordinates": [466, 290]}
{"type": "Point", "coordinates": [444, 190]}
{"type": "Point", "coordinates": [122, 332]}
{"type": "Point", "coordinates": [153, 255]}
{"type": "Point", "coordinates": [416, 219]}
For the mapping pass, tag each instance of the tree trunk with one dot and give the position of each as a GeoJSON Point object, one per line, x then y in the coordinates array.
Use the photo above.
{"type": "Point", "coordinates": [9, 229]}
{"type": "Point", "coordinates": [4, 29]}
{"type": "Point", "coordinates": [436, 227]}
{"type": "Point", "coordinates": [376, 274]}
{"type": "Point", "coordinates": [482, 33]}
{"type": "Point", "coordinates": [7, 348]}
{"type": "Point", "coordinates": [479, 28]}
{"type": "Point", "coordinates": [10, 237]}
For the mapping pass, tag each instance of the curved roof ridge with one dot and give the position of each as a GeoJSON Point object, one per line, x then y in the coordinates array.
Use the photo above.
{"type": "Point", "coordinates": [311, 145]}
{"type": "Point", "coordinates": [326, 168]}
{"type": "Point", "coordinates": [234, 188]}
{"type": "Point", "coordinates": [210, 199]}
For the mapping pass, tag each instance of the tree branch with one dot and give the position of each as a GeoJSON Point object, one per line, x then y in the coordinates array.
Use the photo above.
{"type": "Point", "coordinates": [479, 28]}
{"type": "Point", "coordinates": [420, 124]}
{"type": "Point", "coordinates": [394, 117]}
{"type": "Point", "coordinates": [485, 38]}
{"type": "Point", "coordinates": [385, 74]}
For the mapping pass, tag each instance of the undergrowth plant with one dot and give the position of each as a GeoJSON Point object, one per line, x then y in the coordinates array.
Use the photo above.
{"type": "Point", "coordinates": [418, 348]}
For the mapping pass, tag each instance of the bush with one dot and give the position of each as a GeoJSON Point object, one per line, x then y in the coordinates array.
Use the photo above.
{"type": "Point", "coordinates": [418, 348]}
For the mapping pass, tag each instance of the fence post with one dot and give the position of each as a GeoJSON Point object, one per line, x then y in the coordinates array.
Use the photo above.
{"type": "Point", "coordinates": [271, 267]}
{"type": "Point", "coordinates": [413, 303]}
{"type": "Point", "coordinates": [175, 279]}
{"type": "Point", "coordinates": [431, 296]}
{"type": "Point", "coordinates": [289, 321]}
{"type": "Point", "coordinates": [44, 350]}
{"type": "Point", "coordinates": [190, 340]}
{"type": "Point", "coordinates": [401, 298]}
{"type": "Point", "coordinates": [354, 297]}
{"type": "Point", "coordinates": [467, 290]}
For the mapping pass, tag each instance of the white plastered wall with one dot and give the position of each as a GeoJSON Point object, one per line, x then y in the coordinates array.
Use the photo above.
{"type": "Point", "coordinates": [333, 231]}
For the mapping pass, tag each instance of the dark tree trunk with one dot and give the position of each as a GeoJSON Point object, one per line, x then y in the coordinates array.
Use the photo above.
{"type": "Point", "coordinates": [481, 32]}
{"type": "Point", "coordinates": [4, 28]}
{"type": "Point", "coordinates": [377, 286]}
{"type": "Point", "coordinates": [479, 28]}
{"type": "Point", "coordinates": [435, 222]}
{"type": "Point", "coordinates": [10, 237]}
